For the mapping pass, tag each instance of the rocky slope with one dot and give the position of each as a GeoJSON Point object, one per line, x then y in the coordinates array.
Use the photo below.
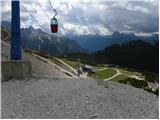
{"type": "Point", "coordinates": [75, 98]}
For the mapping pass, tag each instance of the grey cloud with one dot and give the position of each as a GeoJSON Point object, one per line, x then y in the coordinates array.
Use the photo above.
{"type": "Point", "coordinates": [134, 16]}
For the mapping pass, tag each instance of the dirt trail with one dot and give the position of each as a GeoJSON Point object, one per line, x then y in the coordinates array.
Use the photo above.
{"type": "Point", "coordinates": [118, 73]}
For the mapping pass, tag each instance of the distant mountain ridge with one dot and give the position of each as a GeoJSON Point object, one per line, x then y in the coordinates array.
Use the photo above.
{"type": "Point", "coordinates": [76, 43]}
{"type": "Point", "coordinates": [36, 39]}
{"type": "Point", "coordinates": [97, 42]}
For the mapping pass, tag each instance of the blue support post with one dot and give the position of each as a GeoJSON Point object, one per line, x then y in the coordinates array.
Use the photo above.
{"type": "Point", "coordinates": [15, 31]}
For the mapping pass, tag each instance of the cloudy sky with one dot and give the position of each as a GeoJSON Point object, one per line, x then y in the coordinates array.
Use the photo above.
{"type": "Point", "coordinates": [83, 17]}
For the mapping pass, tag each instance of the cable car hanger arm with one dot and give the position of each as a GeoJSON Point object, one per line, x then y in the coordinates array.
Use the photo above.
{"type": "Point", "coordinates": [55, 13]}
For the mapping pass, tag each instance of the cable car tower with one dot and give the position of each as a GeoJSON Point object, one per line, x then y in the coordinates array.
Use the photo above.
{"type": "Point", "coordinates": [15, 31]}
{"type": "Point", "coordinates": [16, 67]}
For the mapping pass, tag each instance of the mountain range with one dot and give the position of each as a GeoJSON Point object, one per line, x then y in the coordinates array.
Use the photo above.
{"type": "Point", "coordinates": [36, 39]}
{"type": "Point", "coordinates": [97, 42]}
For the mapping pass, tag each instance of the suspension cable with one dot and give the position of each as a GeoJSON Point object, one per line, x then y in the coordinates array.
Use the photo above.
{"type": "Point", "coordinates": [31, 16]}
{"type": "Point", "coordinates": [43, 10]}
{"type": "Point", "coordinates": [51, 5]}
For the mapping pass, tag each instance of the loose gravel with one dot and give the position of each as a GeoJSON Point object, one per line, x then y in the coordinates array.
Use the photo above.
{"type": "Point", "coordinates": [75, 98]}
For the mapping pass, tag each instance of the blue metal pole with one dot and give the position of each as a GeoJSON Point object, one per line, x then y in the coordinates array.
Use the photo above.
{"type": "Point", "coordinates": [15, 31]}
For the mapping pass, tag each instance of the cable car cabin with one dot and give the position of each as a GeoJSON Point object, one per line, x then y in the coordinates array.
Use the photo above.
{"type": "Point", "coordinates": [54, 25]}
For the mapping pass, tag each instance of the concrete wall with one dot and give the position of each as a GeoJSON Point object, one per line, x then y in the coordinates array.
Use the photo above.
{"type": "Point", "coordinates": [16, 69]}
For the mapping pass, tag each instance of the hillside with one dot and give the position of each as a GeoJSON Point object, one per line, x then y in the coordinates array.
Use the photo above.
{"type": "Point", "coordinates": [5, 35]}
{"type": "Point", "coordinates": [40, 67]}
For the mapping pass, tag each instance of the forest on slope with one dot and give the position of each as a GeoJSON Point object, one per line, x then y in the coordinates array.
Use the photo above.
{"type": "Point", "coordinates": [136, 54]}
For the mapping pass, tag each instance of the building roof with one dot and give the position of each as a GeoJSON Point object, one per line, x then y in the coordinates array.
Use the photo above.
{"type": "Point", "coordinates": [88, 66]}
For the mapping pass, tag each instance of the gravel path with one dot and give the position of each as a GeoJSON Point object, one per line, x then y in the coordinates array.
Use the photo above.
{"type": "Point", "coordinates": [75, 98]}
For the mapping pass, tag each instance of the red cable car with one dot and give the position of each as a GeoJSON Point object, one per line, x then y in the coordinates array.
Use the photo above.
{"type": "Point", "coordinates": [54, 25]}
